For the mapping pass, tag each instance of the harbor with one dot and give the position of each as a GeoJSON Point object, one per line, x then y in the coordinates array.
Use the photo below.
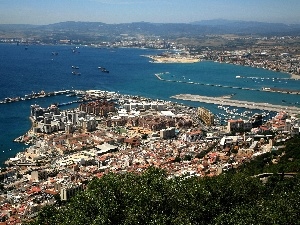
{"type": "Point", "coordinates": [54, 77]}
{"type": "Point", "coordinates": [238, 103]}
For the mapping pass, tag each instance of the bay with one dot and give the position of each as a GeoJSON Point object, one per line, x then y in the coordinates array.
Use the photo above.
{"type": "Point", "coordinates": [35, 69]}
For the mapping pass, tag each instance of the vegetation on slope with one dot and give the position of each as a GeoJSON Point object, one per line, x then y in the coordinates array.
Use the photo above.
{"type": "Point", "coordinates": [151, 198]}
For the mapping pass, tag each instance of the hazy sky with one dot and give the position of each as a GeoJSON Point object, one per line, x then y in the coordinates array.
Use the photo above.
{"type": "Point", "coordinates": [163, 11]}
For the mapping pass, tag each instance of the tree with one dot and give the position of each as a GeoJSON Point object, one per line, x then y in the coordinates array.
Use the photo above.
{"type": "Point", "coordinates": [47, 216]}
{"type": "Point", "coordinates": [153, 198]}
{"type": "Point", "coordinates": [177, 159]}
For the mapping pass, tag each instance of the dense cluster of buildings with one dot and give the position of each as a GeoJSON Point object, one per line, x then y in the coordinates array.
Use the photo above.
{"type": "Point", "coordinates": [276, 58]}
{"type": "Point", "coordinates": [119, 134]}
{"type": "Point", "coordinates": [268, 53]}
{"type": "Point", "coordinates": [122, 134]}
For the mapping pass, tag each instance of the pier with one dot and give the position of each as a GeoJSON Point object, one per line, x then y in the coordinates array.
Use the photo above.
{"type": "Point", "coordinates": [41, 94]}
{"type": "Point", "coordinates": [237, 103]}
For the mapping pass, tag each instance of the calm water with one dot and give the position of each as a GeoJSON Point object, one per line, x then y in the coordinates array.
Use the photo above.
{"type": "Point", "coordinates": [35, 69]}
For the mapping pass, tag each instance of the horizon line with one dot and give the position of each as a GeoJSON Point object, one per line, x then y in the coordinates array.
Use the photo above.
{"type": "Point", "coordinates": [193, 22]}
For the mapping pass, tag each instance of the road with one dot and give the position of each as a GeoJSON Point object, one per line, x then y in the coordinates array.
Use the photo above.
{"type": "Point", "coordinates": [237, 103]}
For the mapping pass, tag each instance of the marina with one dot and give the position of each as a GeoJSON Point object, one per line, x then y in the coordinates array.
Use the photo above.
{"type": "Point", "coordinates": [54, 77]}
{"type": "Point", "coordinates": [237, 103]}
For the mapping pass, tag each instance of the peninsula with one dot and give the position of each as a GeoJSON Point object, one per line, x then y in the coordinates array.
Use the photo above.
{"type": "Point", "coordinates": [114, 133]}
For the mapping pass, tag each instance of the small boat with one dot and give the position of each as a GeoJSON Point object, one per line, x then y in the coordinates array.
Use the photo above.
{"type": "Point", "coordinates": [103, 69]}
{"type": "Point", "coordinates": [75, 67]}
{"type": "Point", "coordinates": [76, 73]}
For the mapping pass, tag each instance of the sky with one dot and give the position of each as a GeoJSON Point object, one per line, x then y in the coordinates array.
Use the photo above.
{"type": "Point", "coordinates": [42, 12]}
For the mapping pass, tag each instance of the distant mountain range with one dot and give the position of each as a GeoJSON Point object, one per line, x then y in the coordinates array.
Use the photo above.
{"type": "Point", "coordinates": [94, 30]}
{"type": "Point", "coordinates": [249, 27]}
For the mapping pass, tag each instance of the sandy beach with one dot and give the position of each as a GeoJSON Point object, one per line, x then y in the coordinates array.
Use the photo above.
{"type": "Point", "coordinates": [295, 76]}
{"type": "Point", "coordinates": [161, 59]}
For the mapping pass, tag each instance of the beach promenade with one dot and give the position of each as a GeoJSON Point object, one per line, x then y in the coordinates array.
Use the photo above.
{"type": "Point", "coordinates": [237, 103]}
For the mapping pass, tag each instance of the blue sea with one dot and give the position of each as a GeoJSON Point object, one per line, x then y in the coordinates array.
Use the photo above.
{"type": "Point", "coordinates": [33, 69]}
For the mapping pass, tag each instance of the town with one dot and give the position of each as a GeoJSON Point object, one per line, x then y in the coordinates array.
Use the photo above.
{"type": "Point", "coordinates": [114, 133]}
{"type": "Point", "coordinates": [273, 52]}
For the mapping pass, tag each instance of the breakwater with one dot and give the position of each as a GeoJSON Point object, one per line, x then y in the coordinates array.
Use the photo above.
{"type": "Point", "coordinates": [267, 78]}
{"type": "Point", "coordinates": [40, 94]}
{"type": "Point", "coordinates": [237, 103]}
{"type": "Point", "coordinates": [285, 91]}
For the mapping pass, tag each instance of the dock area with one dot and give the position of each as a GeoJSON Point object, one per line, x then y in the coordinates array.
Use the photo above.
{"type": "Point", "coordinates": [238, 103]}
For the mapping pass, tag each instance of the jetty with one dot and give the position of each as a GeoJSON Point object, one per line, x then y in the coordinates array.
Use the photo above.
{"type": "Point", "coordinates": [40, 94]}
{"type": "Point", "coordinates": [285, 91]}
{"type": "Point", "coordinates": [268, 78]}
{"type": "Point", "coordinates": [238, 103]}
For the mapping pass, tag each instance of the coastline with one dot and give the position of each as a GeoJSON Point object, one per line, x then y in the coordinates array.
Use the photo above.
{"type": "Point", "coordinates": [172, 59]}
{"type": "Point", "coordinates": [27, 138]}
{"type": "Point", "coordinates": [63, 87]}
{"type": "Point", "coordinates": [294, 76]}
{"type": "Point", "coordinates": [176, 59]}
